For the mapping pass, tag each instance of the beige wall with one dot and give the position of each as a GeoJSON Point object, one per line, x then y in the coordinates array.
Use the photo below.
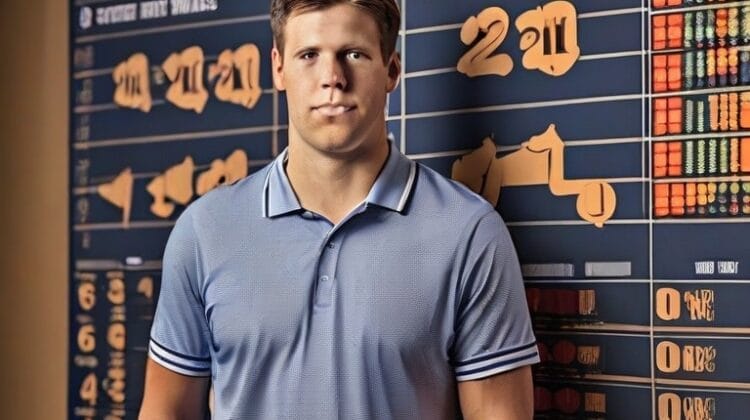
{"type": "Point", "coordinates": [33, 209]}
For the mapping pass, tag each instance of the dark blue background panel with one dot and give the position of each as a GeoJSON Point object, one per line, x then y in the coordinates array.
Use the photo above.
{"type": "Point", "coordinates": [225, 10]}
{"type": "Point", "coordinates": [423, 13]}
{"type": "Point", "coordinates": [602, 120]}
{"type": "Point", "coordinates": [579, 244]}
{"type": "Point", "coordinates": [677, 247]}
{"type": "Point", "coordinates": [456, 91]}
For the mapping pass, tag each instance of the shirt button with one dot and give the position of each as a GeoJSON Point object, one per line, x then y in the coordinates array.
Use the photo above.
{"type": "Point", "coordinates": [324, 278]}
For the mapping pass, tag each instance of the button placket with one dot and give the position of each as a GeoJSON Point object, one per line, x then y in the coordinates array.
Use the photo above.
{"type": "Point", "coordinates": [326, 278]}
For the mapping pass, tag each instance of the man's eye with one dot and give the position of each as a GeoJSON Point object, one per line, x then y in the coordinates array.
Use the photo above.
{"type": "Point", "coordinates": [308, 55]}
{"type": "Point", "coordinates": [355, 55]}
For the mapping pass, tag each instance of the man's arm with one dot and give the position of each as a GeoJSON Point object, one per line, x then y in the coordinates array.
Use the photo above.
{"type": "Point", "coordinates": [505, 396]}
{"type": "Point", "coordinates": [171, 396]}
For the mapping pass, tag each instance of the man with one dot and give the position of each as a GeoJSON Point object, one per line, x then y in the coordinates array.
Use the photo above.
{"type": "Point", "coordinates": [342, 280]}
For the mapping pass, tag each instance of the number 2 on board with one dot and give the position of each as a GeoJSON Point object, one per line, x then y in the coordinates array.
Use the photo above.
{"type": "Point", "coordinates": [478, 61]}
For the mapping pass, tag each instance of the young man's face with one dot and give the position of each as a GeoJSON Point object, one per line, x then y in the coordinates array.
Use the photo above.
{"type": "Point", "coordinates": [335, 79]}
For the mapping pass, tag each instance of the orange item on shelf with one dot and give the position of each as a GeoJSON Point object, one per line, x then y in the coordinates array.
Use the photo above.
{"type": "Point", "coordinates": [713, 112]}
{"type": "Point", "coordinates": [660, 117]}
{"type": "Point", "coordinates": [678, 190]}
{"type": "Point", "coordinates": [659, 3]}
{"type": "Point", "coordinates": [674, 146]}
{"type": "Point", "coordinates": [721, 25]}
{"type": "Point", "coordinates": [659, 31]}
{"type": "Point", "coordinates": [660, 160]}
{"type": "Point", "coordinates": [661, 190]}
{"type": "Point", "coordinates": [734, 100]}
{"type": "Point", "coordinates": [674, 30]}
{"type": "Point", "coordinates": [675, 158]}
{"type": "Point", "coordinates": [674, 2]}
{"type": "Point", "coordinates": [745, 110]}
{"type": "Point", "coordinates": [724, 112]}
{"type": "Point", "coordinates": [745, 154]}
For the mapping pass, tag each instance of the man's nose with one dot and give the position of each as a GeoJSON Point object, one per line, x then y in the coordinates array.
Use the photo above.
{"type": "Point", "coordinates": [334, 74]}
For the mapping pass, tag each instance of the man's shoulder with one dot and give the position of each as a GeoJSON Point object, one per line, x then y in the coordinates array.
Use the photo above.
{"type": "Point", "coordinates": [436, 194]}
{"type": "Point", "coordinates": [231, 203]}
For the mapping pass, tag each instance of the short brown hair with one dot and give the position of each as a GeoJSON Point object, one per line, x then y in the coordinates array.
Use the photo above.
{"type": "Point", "coordinates": [385, 12]}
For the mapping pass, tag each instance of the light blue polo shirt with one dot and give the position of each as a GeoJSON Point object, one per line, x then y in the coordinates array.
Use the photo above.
{"type": "Point", "coordinates": [377, 317]}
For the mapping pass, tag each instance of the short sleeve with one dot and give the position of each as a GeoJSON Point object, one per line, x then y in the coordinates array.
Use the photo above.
{"type": "Point", "coordinates": [179, 335]}
{"type": "Point", "coordinates": [493, 331]}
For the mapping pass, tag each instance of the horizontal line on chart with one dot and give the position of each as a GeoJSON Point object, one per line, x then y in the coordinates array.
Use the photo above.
{"type": "Point", "coordinates": [576, 222]}
{"type": "Point", "coordinates": [720, 391]}
{"type": "Point", "coordinates": [92, 189]}
{"type": "Point", "coordinates": [663, 336]}
{"type": "Point", "coordinates": [734, 178]}
{"type": "Point", "coordinates": [700, 136]}
{"type": "Point", "coordinates": [704, 281]}
{"type": "Point", "coordinates": [567, 380]}
{"type": "Point", "coordinates": [443, 70]}
{"type": "Point", "coordinates": [723, 220]}
{"type": "Point", "coordinates": [568, 143]}
{"type": "Point", "coordinates": [600, 333]}
{"type": "Point", "coordinates": [176, 137]}
{"type": "Point", "coordinates": [156, 224]}
{"type": "Point", "coordinates": [696, 8]}
{"type": "Point", "coordinates": [169, 28]}
{"type": "Point", "coordinates": [90, 109]}
{"type": "Point", "coordinates": [630, 328]}
{"type": "Point", "coordinates": [101, 265]}
{"type": "Point", "coordinates": [661, 329]}
{"type": "Point", "coordinates": [682, 49]}
{"type": "Point", "coordinates": [728, 89]}
{"type": "Point", "coordinates": [589, 15]}
{"type": "Point", "coordinates": [604, 56]}
{"type": "Point", "coordinates": [618, 378]}
{"type": "Point", "coordinates": [614, 12]}
{"type": "Point", "coordinates": [587, 281]}
{"type": "Point", "coordinates": [526, 105]}
{"type": "Point", "coordinates": [703, 384]}
{"type": "Point", "coordinates": [436, 28]}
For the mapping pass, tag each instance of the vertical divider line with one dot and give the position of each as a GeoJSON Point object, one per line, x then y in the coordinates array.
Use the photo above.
{"type": "Point", "coordinates": [646, 71]}
{"type": "Point", "coordinates": [403, 77]}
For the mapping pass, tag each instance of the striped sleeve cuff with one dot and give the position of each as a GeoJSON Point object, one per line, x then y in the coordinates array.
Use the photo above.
{"type": "Point", "coordinates": [180, 363]}
{"type": "Point", "coordinates": [497, 362]}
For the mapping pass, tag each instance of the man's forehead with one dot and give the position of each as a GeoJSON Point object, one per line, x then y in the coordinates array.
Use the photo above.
{"type": "Point", "coordinates": [308, 24]}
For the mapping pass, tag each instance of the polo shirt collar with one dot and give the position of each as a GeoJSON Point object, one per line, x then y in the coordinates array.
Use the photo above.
{"type": "Point", "coordinates": [391, 190]}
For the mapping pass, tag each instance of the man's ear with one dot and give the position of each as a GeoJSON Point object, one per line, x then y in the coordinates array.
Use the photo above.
{"type": "Point", "coordinates": [277, 64]}
{"type": "Point", "coordinates": [394, 71]}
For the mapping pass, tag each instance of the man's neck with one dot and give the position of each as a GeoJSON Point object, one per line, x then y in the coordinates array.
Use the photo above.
{"type": "Point", "coordinates": [332, 185]}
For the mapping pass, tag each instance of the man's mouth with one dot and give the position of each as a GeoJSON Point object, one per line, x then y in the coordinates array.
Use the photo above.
{"type": "Point", "coordinates": [333, 110]}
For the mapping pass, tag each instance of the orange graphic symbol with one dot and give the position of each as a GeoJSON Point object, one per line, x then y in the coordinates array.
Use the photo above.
{"type": "Point", "coordinates": [539, 162]}
{"type": "Point", "coordinates": [549, 37]}
{"type": "Point", "coordinates": [132, 83]}
{"type": "Point", "coordinates": [119, 192]}
{"type": "Point", "coordinates": [490, 27]}
{"type": "Point", "coordinates": [185, 71]}
{"type": "Point", "coordinates": [238, 76]}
